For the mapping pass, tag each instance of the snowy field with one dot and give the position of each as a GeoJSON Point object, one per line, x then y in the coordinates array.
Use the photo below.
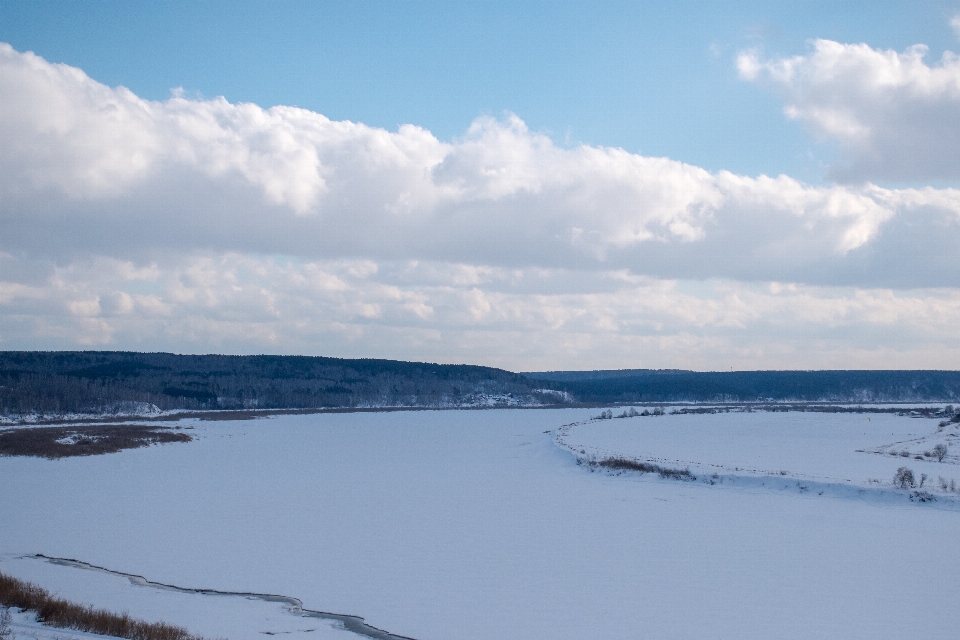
{"type": "Point", "coordinates": [832, 451]}
{"type": "Point", "coordinates": [481, 525]}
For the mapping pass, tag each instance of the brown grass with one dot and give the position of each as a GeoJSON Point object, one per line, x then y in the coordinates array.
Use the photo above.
{"type": "Point", "coordinates": [626, 464]}
{"type": "Point", "coordinates": [55, 612]}
{"type": "Point", "coordinates": [42, 442]}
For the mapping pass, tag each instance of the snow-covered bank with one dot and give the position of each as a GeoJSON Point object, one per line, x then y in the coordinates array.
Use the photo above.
{"type": "Point", "coordinates": [151, 412]}
{"type": "Point", "coordinates": [845, 454]}
{"type": "Point", "coordinates": [474, 525]}
{"type": "Point", "coordinates": [24, 626]}
{"type": "Point", "coordinates": [129, 410]}
{"type": "Point", "coordinates": [211, 615]}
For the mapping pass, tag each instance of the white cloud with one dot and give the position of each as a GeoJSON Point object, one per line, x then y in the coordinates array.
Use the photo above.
{"type": "Point", "coordinates": [895, 116]}
{"type": "Point", "coordinates": [89, 169]}
{"type": "Point", "coordinates": [200, 225]}
{"type": "Point", "coordinates": [536, 318]}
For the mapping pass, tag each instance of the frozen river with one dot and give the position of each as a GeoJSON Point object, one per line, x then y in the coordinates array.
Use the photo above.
{"type": "Point", "coordinates": [476, 525]}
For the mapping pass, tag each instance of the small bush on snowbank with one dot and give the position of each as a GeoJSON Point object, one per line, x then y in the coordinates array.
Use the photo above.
{"type": "Point", "coordinates": [940, 452]}
{"type": "Point", "coordinates": [903, 478]}
{"type": "Point", "coordinates": [626, 464]}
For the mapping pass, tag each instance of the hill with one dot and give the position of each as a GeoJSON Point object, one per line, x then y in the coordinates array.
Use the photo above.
{"type": "Point", "coordinates": [645, 386]}
{"type": "Point", "coordinates": [126, 382]}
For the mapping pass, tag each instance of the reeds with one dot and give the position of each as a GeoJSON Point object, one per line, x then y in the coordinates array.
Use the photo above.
{"type": "Point", "coordinates": [56, 612]}
{"type": "Point", "coordinates": [63, 442]}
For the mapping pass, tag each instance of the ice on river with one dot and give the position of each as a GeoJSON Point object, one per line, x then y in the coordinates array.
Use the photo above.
{"type": "Point", "coordinates": [476, 525]}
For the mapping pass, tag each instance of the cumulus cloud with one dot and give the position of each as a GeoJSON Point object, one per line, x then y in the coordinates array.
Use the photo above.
{"type": "Point", "coordinates": [200, 225]}
{"type": "Point", "coordinates": [87, 168]}
{"type": "Point", "coordinates": [895, 116]}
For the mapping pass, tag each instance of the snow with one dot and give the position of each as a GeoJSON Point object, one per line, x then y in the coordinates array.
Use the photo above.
{"type": "Point", "coordinates": [477, 525]}
{"type": "Point", "coordinates": [24, 626]}
{"type": "Point", "coordinates": [211, 616]}
{"type": "Point", "coordinates": [126, 408]}
{"type": "Point", "coordinates": [859, 449]}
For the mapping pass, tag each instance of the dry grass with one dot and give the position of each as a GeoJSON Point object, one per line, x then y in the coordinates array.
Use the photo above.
{"type": "Point", "coordinates": [55, 612]}
{"type": "Point", "coordinates": [63, 442]}
{"type": "Point", "coordinates": [626, 464]}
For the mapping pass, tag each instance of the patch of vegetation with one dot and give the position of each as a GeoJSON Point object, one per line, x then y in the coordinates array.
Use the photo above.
{"type": "Point", "coordinates": [940, 452]}
{"type": "Point", "coordinates": [56, 612]}
{"type": "Point", "coordinates": [627, 464]}
{"type": "Point", "coordinates": [64, 442]}
{"type": "Point", "coordinates": [903, 478]}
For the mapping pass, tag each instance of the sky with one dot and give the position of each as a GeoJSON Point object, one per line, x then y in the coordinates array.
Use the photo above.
{"type": "Point", "coordinates": [528, 185]}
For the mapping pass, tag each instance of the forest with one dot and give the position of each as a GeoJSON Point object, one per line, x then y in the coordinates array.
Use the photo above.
{"type": "Point", "coordinates": [121, 382]}
{"type": "Point", "coordinates": [652, 386]}
{"type": "Point", "coordinates": [117, 382]}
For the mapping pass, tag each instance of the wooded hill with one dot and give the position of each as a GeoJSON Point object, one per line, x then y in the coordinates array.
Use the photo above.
{"type": "Point", "coordinates": [112, 382]}
{"type": "Point", "coordinates": [106, 382]}
{"type": "Point", "coordinates": [672, 385]}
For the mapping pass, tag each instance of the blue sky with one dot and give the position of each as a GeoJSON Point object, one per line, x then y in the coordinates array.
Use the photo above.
{"type": "Point", "coordinates": [546, 185]}
{"type": "Point", "coordinates": [656, 78]}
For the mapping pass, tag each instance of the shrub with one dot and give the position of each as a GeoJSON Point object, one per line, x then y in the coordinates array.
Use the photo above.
{"type": "Point", "coordinates": [940, 452]}
{"type": "Point", "coordinates": [627, 464]}
{"type": "Point", "coordinates": [903, 478]}
{"type": "Point", "coordinates": [55, 612]}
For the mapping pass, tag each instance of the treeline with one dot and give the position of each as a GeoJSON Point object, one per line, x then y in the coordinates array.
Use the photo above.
{"type": "Point", "coordinates": [753, 386]}
{"type": "Point", "coordinates": [123, 382]}
{"type": "Point", "coordinates": [600, 374]}
{"type": "Point", "coordinates": [105, 382]}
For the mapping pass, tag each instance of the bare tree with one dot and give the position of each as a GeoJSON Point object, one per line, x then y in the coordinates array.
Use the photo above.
{"type": "Point", "coordinates": [940, 452]}
{"type": "Point", "coordinates": [903, 478]}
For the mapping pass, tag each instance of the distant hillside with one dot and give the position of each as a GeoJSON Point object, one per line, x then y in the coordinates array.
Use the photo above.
{"type": "Point", "coordinates": [110, 382]}
{"type": "Point", "coordinates": [598, 374]}
{"type": "Point", "coordinates": [748, 386]}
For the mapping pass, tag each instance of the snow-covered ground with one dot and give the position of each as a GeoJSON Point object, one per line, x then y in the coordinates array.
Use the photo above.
{"type": "Point", "coordinates": [861, 450]}
{"type": "Point", "coordinates": [24, 626]}
{"type": "Point", "coordinates": [477, 525]}
{"type": "Point", "coordinates": [133, 410]}
{"type": "Point", "coordinates": [120, 409]}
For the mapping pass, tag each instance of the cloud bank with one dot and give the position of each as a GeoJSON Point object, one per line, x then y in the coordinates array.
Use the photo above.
{"type": "Point", "coordinates": [201, 225]}
{"type": "Point", "coordinates": [895, 116]}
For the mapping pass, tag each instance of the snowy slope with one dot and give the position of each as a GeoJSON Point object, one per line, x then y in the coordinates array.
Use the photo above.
{"type": "Point", "coordinates": [474, 525]}
{"type": "Point", "coordinates": [856, 449]}
{"type": "Point", "coordinates": [24, 626]}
